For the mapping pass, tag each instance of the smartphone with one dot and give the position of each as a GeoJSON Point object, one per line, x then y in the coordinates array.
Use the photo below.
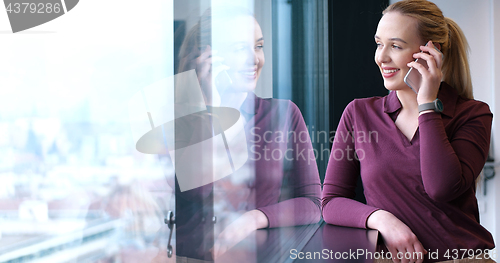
{"type": "Point", "coordinates": [222, 80]}
{"type": "Point", "coordinates": [413, 78]}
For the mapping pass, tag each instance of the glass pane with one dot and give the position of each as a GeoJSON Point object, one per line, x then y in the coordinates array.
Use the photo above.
{"type": "Point", "coordinates": [74, 186]}
{"type": "Point", "coordinates": [232, 170]}
{"type": "Point", "coordinates": [107, 128]}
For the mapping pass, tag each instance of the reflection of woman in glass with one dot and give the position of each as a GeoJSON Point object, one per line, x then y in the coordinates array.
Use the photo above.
{"type": "Point", "coordinates": [420, 164]}
{"type": "Point", "coordinates": [279, 184]}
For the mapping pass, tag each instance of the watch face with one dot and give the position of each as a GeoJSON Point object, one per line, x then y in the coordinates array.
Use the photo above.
{"type": "Point", "coordinates": [439, 105]}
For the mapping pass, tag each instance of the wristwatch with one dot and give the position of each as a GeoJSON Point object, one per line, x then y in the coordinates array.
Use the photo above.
{"type": "Point", "coordinates": [436, 105]}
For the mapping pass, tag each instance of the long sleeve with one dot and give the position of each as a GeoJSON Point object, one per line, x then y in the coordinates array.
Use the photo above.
{"type": "Point", "coordinates": [339, 208]}
{"type": "Point", "coordinates": [450, 166]}
{"type": "Point", "coordinates": [427, 182]}
{"type": "Point", "coordinates": [301, 190]}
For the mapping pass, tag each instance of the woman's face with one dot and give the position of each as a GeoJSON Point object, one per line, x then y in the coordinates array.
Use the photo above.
{"type": "Point", "coordinates": [397, 40]}
{"type": "Point", "coordinates": [241, 45]}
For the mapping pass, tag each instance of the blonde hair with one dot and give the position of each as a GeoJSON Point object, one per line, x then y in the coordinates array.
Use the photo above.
{"type": "Point", "coordinates": [433, 26]}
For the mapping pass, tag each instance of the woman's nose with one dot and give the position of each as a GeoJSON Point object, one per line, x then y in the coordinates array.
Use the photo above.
{"type": "Point", "coordinates": [256, 58]}
{"type": "Point", "coordinates": [252, 57]}
{"type": "Point", "coordinates": [382, 56]}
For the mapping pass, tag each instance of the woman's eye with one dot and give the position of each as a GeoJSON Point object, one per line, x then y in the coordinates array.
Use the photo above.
{"type": "Point", "coordinates": [379, 45]}
{"type": "Point", "coordinates": [259, 47]}
{"type": "Point", "coordinates": [396, 46]}
{"type": "Point", "coordinates": [239, 48]}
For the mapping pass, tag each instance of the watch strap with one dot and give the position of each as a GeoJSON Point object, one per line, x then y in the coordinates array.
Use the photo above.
{"type": "Point", "coordinates": [427, 106]}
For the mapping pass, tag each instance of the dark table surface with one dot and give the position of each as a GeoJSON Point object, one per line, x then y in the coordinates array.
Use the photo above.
{"type": "Point", "coordinates": [340, 244]}
{"type": "Point", "coordinates": [312, 243]}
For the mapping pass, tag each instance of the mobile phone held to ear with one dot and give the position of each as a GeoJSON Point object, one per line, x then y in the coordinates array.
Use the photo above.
{"type": "Point", "coordinates": [222, 80]}
{"type": "Point", "coordinates": [413, 78]}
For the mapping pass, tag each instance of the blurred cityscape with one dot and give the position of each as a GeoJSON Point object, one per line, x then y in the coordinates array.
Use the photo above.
{"type": "Point", "coordinates": [78, 191]}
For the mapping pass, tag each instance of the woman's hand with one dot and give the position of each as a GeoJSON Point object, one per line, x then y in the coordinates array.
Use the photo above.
{"type": "Point", "coordinates": [238, 230]}
{"type": "Point", "coordinates": [431, 77]}
{"type": "Point", "coordinates": [207, 66]}
{"type": "Point", "coordinates": [398, 237]}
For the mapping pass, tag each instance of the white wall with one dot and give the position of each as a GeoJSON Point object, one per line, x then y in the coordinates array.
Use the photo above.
{"type": "Point", "coordinates": [480, 21]}
{"type": "Point", "coordinates": [495, 31]}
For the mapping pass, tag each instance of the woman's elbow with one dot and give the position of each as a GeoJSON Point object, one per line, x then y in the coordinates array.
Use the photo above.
{"type": "Point", "coordinates": [440, 196]}
{"type": "Point", "coordinates": [316, 215]}
{"type": "Point", "coordinates": [316, 218]}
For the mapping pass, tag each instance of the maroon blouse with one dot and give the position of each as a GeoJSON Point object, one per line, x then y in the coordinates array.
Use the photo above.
{"type": "Point", "coordinates": [287, 188]}
{"type": "Point", "coordinates": [428, 182]}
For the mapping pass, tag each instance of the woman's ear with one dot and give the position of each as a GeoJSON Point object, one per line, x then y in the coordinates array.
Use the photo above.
{"type": "Point", "coordinates": [437, 45]}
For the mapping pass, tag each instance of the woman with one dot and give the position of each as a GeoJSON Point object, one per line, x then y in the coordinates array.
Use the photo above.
{"type": "Point", "coordinates": [279, 183]}
{"type": "Point", "coordinates": [420, 165]}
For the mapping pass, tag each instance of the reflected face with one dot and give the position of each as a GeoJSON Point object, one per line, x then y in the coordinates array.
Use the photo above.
{"type": "Point", "coordinates": [240, 42]}
{"type": "Point", "coordinates": [397, 40]}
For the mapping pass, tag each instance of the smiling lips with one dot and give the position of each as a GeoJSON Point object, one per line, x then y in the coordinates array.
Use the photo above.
{"type": "Point", "coordinates": [249, 74]}
{"type": "Point", "coordinates": [389, 72]}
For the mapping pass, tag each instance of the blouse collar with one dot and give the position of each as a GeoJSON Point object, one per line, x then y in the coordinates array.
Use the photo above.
{"type": "Point", "coordinates": [446, 94]}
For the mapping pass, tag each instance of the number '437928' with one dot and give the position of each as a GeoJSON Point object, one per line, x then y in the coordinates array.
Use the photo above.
{"type": "Point", "coordinates": [39, 8]}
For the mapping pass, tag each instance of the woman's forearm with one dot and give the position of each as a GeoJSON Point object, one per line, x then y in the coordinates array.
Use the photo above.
{"type": "Point", "coordinates": [259, 218]}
